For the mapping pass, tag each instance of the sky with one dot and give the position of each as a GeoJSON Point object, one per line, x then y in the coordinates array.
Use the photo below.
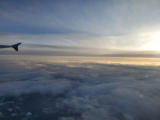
{"type": "Point", "coordinates": [107, 24]}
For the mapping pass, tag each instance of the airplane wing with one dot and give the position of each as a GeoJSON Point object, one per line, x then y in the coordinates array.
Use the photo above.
{"type": "Point", "coordinates": [16, 46]}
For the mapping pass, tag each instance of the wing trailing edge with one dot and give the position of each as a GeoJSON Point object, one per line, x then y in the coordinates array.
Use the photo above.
{"type": "Point", "coordinates": [16, 46]}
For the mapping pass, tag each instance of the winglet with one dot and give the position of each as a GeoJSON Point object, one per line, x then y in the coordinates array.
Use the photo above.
{"type": "Point", "coordinates": [16, 46]}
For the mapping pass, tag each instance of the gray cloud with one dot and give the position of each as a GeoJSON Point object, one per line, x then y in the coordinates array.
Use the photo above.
{"type": "Point", "coordinates": [81, 91]}
{"type": "Point", "coordinates": [111, 17]}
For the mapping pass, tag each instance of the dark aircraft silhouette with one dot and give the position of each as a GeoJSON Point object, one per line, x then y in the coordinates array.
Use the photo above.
{"type": "Point", "coordinates": [15, 47]}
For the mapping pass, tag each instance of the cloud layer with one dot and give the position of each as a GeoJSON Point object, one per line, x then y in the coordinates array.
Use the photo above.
{"type": "Point", "coordinates": [78, 91]}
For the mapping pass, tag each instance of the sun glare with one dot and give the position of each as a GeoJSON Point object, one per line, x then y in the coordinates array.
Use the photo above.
{"type": "Point", "coordinates": [153, 41]}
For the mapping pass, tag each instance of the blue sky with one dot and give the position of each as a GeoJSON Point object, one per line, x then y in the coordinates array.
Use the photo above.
{"type": "Point", "coordinates": [111, 24]}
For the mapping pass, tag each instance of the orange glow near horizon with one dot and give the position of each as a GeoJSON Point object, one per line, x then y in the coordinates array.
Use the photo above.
{"type": "Point", "coordinates": [77, 60]}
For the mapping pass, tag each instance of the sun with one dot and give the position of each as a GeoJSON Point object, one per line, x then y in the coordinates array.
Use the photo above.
{"type": "Point", "coordinates": [153, 41]}
{"type": "Point", "coordinates": [154, 45]}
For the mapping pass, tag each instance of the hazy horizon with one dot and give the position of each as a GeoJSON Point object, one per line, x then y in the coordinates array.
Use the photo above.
{"type": "Point", "coordinates": [52, 50]}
